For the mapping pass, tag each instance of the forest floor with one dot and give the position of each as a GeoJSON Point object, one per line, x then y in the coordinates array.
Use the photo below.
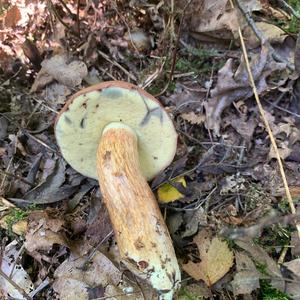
{"type": "Point", "coordinates": [230, 196]}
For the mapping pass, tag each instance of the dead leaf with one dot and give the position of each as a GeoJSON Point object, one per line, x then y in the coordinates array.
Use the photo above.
{"type": "Point", "coordinates": [12, 17]}
{"type": "Point", "coordinates": [52, 189]}
{"type": "Point", "coordinates": [41, 80]}
{"type": "Point", "coordinates": [12, 268]}
{"type": "Point", "coordinates": [297, 55]}
{"type": "Point", "coordinates": [258, 254]}
{"type": "Point", "coordinates": [216, 259]}
{"type": "Point", "coordinates": [71, 276]}
{"type": "Point", "coordinates": [168, 193]}
{"type": "Point", "coordinates": [19, 227]}
{"type": "Point", "coordinates": [58, 68]}
{"type": "Point", "coordinates": [3, 128]}
{"type": "Point", "coordinates": [272, 33]}
{"type": "Point", "coordinates": [246, 280]}
{"type": "Point", "coordinates": [56, 94]}
{"type": "Point", "coordinates": [215, 18]}
{"type": "Point", "coordinates": [193, 219]}
{"type": "Point", "coordinates": [295, 241]}
{"type": "Point", "coordinates": [234, 85]}
{"type": "Point", "coordinates": [193, 118]}
{"type": "Point", "coordinates": [244, 127]}
{"type": "Point", "coordinates": [293, 290]}
{"type": "Point", "coordinates": [283, 149]}
{"type": "Point", "coordinates": [294, 266]}
{"type": "Point", "coordinates": [43, 232]}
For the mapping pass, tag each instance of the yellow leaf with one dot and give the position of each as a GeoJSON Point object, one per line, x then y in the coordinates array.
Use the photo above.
{"type": "Point", "coordinates": [167, 193]}
{"type": "Point", "coordinates": [216, 259]}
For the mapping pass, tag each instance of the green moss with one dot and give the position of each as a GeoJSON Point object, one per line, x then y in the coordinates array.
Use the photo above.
{"type": "Point", "coordinates": [16, 215]}
{"type": "Point", "coordinates": [294, 25]}
{"type": "Point", "coordinates": [273, 237]}
{"type": "Point", "coordinates": [184, 294]}
{"type": "Point", "coordinates": [267, 292]}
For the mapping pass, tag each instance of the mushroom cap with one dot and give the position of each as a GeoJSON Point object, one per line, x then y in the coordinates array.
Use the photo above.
{"type": "Point", "coordinates": [80, 124]}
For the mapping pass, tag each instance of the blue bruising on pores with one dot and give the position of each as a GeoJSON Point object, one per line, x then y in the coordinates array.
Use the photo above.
{"type": "Point", "coordinates": [67, 119]}
{"type": "Point", "coordinates": [112, 92]}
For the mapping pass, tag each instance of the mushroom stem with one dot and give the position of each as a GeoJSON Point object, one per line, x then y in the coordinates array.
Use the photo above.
{"type": "Point", "coordinates": [143, 239]}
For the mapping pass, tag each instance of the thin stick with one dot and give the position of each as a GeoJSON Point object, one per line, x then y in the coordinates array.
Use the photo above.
{"type": "Point", "coordinates": [175, 50]}
{"type": "Point", "coordinates": [78, 17]}
{"type": "Point", "coordinates": [17, 177]}
{"type": "Point", "coordinates": [118, 295]}
{"type": "Point", "coordinates": [268, 128]}
{"type": "Point", "coordinates": [90, 256]}
{"type": "Point", "coordinates": [289, 9]}
{"type": "Point", "coordinates": [66, 7]}
{"type": "Point", "coordinates": [260, 36]}
{"type": "Point", "coordinates": [117, 65]}
{"type": "Point", "coordinates": [17, 287]}
{"type": "Point", "coordinates": [5, 175]}
{"type": "Point", "coordinates": [53, 9]}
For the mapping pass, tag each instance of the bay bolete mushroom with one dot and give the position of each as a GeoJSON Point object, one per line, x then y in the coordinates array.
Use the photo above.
{"type": "Point", "coordinates": [119, 134]}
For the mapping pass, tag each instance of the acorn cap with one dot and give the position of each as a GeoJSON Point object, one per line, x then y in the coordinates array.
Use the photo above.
{"type": "Point", "coordinates": [82, 120]}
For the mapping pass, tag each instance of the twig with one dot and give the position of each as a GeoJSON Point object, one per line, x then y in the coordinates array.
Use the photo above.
{"type": "Point", "coordinates": [260, 36]}
{"type": "Point", "coordinates": [283, 255]}
{"type": "Point", "coordinates": [43, 104]}
{"type": "Point", "coordinates": [17, 177]}
{"type": "Point", "coordinates": [175, 50]}
{"type": "Point", "coordinates": [53, 9]}
{"type": "Point", "coordinates": [254, 230]}
{"type": "Point", "coordinates": [289, 9]}
{"type": "Point", "coordinates": [17, 287]}
{"type": "Point", "coordinates": [90, 256]}
{"type": "Point", "coordinates": [39, 141]}
{"type": "Point", "coordinates": [25, 131]}
{"type": "Point", "coordinates": [105, 72]}
{"type": "Point", "coordinates": [267, 125]}
{"type": "Point", "coordinates": [283, 109]}
{"type": "Point", "coordinates": [115, 7]}
{"type": "Point", "coordinates": [118, 295]}
{"type": "Point", "coordinates": [4, 178]}
{"type": "Point", "coordinates": [78, 17]}
{"type": "Point", "coordinates": [66, 7]}
{"type": "Point", "coordinates": [117, 65]}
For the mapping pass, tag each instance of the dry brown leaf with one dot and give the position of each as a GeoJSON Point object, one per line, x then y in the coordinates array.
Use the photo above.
{"type": "Point", "coordinates": [13, 16]}
{"type": "Point", "coordinates": [44, 231]}
{"type": "Point", "coordinates": [271, 32]}
{"type": "Point", "coordinates": [41, 80]}
{"type": "Point", "coordinates": [12, 267]}
{"type": "Point", "coordinates": [215, 20]}
{"type": "Point", "coordinates": [260, 255]}
{"type": "Point", "coordinates": [58, 68]}
{"type": "Point", "coordinates": [193, 118]}
{"type": "Point", "coordinates": [297, 55]}
{"type": "Point", "coordinates": [295, 241]}
{"type": "Point", "coordinates": [72, 279]}
{"type": "Point", "coordinates": [246, 280]}
{"type": "Point", "coordinates": [234, 85]}
{"type": "Point", "coordinates": [244, 127]}
{"type": "Point", "coordinates": [294, 266]}
{"type": "Point", "coordinates": [283, 149]}
{"type": "Point", "coordinates": [216, 259]}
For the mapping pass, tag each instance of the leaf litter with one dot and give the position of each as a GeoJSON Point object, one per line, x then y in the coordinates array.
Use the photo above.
{"type": "Point", "coordinates": [231, 178]}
